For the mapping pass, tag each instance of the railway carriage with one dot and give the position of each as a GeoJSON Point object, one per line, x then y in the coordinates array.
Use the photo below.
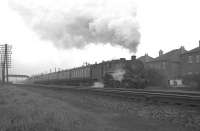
{"type": "Point", "coordinates": [50, 76]}
{"type": "Point", "coordinates": [97, 73]}
{"type": "Point", "coordinates": [67, 74]}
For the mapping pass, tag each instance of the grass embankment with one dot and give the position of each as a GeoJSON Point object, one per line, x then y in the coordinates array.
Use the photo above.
{"type": "Point", "coordinates": [21, 110]}
{"type": "Point", "coordinates": [40, 109]}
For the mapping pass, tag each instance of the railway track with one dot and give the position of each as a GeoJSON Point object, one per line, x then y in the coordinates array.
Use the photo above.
{"type": "Point", "coordinates": [182, 98]}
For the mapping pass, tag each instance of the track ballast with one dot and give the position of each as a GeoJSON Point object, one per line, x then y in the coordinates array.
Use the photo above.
{"type": "Point", "coordinates": [182, 98]}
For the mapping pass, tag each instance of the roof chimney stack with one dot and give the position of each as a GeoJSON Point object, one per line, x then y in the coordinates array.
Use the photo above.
{"type": "Point", "coordinates": [182, 49]}
{"type": "Point", "coordinates": [133, 57]}
{"type": "Point", "coordinates": [122, 59]}
{"type": "Point", "coordinates": [199, 43]}
{"type": "Point", "coordinates": [160, 52]}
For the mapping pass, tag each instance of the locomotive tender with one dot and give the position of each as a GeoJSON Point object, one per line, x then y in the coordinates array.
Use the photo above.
{"type": "Point", "coordinates": [87, 75]}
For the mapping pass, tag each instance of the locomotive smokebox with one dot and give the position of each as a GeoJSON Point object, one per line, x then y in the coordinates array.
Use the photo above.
{"type": "Point", "coordinates": [133, 57]}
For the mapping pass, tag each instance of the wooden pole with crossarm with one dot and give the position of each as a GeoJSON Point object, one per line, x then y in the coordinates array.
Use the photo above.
{"type": "Point", "coordinates": [5, 52]}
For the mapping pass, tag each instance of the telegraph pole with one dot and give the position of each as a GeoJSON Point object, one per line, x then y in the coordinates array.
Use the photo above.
{"type": "Point", "coordinates": [5, 52]}
{"type": "Point", "coordinates": [6, 62]}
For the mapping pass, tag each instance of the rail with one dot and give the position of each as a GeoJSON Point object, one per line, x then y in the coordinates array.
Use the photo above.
{"type": "Point", "coordinates": [160, 96]}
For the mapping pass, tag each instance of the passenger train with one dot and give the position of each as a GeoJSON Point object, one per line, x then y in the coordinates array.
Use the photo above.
{"type": "Point", "coordinates": [101, 72]}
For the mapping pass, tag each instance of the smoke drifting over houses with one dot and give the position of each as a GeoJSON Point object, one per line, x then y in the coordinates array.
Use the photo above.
{"type": "Point", "coordinates": [75, 24]}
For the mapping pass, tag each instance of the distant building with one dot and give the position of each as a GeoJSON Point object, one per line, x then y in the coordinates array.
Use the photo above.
{"type": "Point", "coordinates": [145, 58]}
{"type": "Point", "coordinates": [169, 63]}
{"type": "Point", "coordinates": [190, 62]}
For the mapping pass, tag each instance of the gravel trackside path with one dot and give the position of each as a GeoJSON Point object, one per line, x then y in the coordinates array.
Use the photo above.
{"type": "Point", "coordinates": [40, 109]}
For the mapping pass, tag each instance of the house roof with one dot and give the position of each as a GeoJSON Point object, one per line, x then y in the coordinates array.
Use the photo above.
{"type": "Point", "coordinates": [193, 50]}
{"type": "Point", "coordinates": [173, 55]}
{"type": "Point", "coordinates": [145, 58]}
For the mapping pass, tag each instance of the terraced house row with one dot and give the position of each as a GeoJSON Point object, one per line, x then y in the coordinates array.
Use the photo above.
{"type": "Point", "coordinates": [176, 63]}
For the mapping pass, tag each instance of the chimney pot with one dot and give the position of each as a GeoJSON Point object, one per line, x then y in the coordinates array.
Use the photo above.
{"type": "Point", "coordinates": [160, 52]}
{"type": "Point", "coordinates": [182, 49]}
{"type": "Point", "coordinates": [199, 43]}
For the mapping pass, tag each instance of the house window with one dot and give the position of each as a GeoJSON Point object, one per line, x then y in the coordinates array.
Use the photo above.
{"type": "Point", "coordinates": [164, 65]}
{"type": "Point", "coordinates": [160, 66]}
{"type": "Point", "coordinates": [189, 59]}
{"type": "Point", "coordinates": [198, 59]}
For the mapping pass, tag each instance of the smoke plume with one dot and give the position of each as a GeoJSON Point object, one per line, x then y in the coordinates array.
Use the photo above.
{"type": "Point", "coordinates": [75, 24]}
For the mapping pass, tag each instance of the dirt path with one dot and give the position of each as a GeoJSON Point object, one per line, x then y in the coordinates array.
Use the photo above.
{"type": "Point", "coordinates": [99, 114]}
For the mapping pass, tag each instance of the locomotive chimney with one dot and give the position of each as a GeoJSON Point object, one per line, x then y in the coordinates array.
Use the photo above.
{"type": "Point", "coordinates": [133, 57]}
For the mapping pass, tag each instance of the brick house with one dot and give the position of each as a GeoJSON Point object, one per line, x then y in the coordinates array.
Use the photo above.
{"type": "Point", "coordinates": [169, 64]}
{"type": "Point", "coordinates": [190, 62]}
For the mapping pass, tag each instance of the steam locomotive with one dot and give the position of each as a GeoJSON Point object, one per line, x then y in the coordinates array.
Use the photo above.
{"type": "Point", "coordinates": [115, 73]}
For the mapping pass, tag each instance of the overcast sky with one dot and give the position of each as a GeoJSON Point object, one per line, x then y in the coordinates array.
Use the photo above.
{"type": "Point", "coordinates": [46, 34]}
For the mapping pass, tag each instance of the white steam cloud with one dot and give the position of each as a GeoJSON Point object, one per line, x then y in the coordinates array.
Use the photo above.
{"type": "Point", "coordinates": [118, 74]}
{"type": "Point", "coordinates": [98, 85]}
{"type": "Point", "coordinates": [74, 24]}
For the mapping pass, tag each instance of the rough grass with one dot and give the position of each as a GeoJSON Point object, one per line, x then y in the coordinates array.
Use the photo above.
{"type": "Point", "coordinates": [25, 111]}
{"type": "Point", "coordinates": [35, 109]}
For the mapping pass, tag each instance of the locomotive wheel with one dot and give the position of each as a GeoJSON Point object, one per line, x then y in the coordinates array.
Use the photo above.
{"type": "Point", "coordinates": [128, 84]}
{"type": "Point", "coordinates": [116, 84]}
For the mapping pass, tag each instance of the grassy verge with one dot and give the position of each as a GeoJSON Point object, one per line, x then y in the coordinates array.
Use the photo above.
{"type": "Point", "coordinates": [38, 109]}
{"type": "Point", "coordinates": [21, 110]}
